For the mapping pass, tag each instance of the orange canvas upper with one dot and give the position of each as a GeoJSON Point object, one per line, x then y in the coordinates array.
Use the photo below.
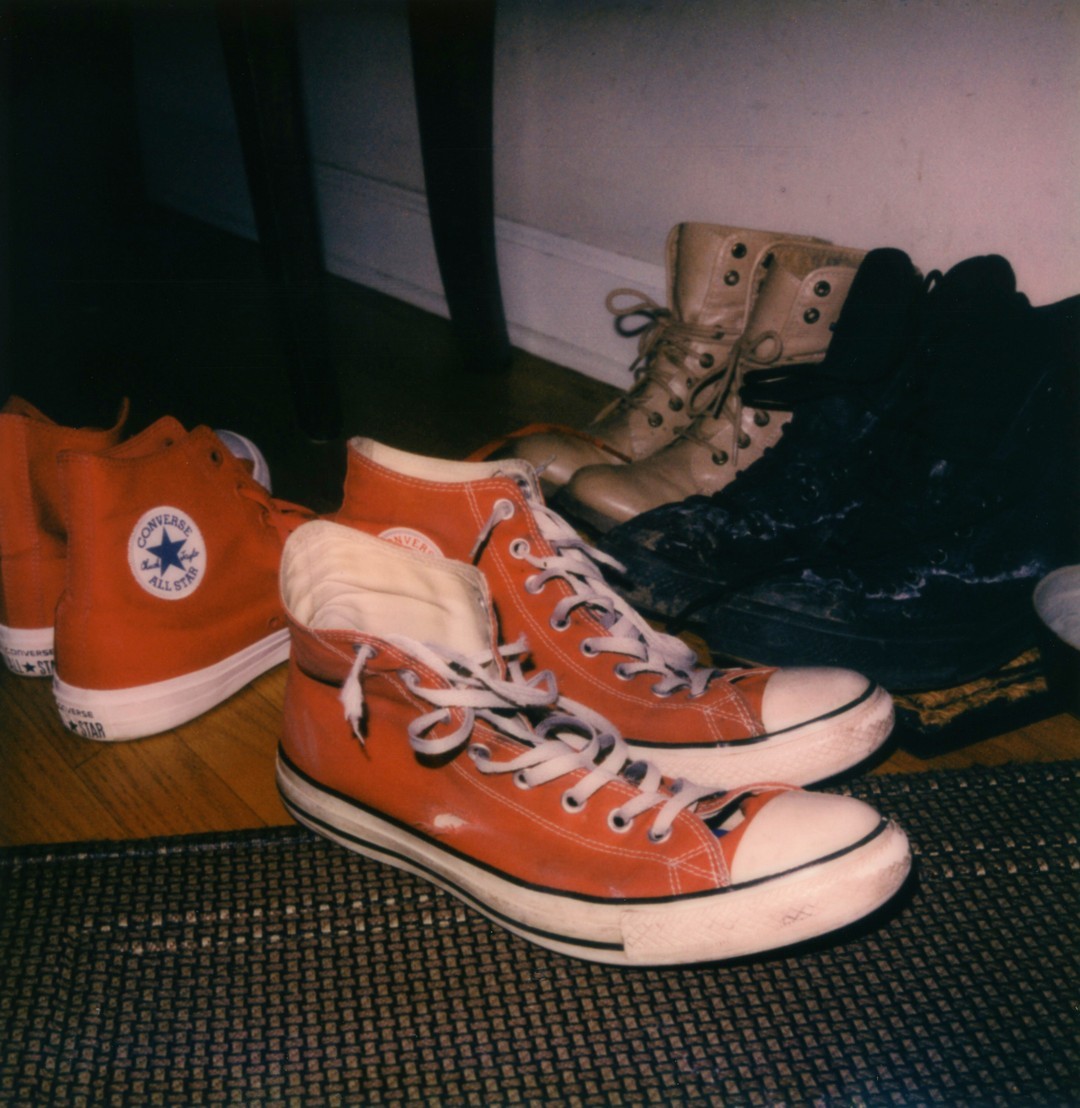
{"type": "Point", "coordinates": [173, 558]}
{"type": "Point", "coordinates": [33, 533]}
{"type": "Point", "coordinates": [482, 816]}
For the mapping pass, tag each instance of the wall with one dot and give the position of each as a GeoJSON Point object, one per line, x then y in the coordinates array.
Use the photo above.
{"type": "Point", "coordinates": [944, 127]}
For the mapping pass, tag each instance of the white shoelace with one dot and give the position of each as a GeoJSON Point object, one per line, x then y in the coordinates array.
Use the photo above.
{"type": "Point", "coordinates": [563, 743]}
{"type": "Point", "coordinates": [627, 633]}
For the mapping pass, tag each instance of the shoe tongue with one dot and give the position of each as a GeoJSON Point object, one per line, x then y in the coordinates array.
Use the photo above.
{"type": "Point", "coordinates": [695, 280]}
{"type": "Point", "coordinates": [335, 578]}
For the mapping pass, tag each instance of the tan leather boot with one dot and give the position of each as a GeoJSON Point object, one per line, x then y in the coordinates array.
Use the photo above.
{"type": "Point", "coordinates": [713, 272]}
{"type": "Point", "coordinates": [799, 299]}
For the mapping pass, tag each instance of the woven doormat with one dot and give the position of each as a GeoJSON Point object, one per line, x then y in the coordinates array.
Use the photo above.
{"type": "Point", "coordinates": [271, 968]}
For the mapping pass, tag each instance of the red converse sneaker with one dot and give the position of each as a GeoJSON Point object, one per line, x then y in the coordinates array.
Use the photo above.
{"type": "Point", "coordinates": [796, 725]}
{"type": "Point", "coordinates": [170, 603]}
{"type": "Point", "coordinates": [33, 536]}
{"type": "Point", "coordinates": [411, 736]}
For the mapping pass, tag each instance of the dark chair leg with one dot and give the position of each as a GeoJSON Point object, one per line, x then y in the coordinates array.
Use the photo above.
{"type": "Point", "coordinates": [261, 58]}
{"type": "Point", "coordinates": [452, 52]}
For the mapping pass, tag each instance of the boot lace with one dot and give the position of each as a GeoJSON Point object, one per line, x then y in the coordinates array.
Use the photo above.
{"type": "Point", "coordinates": [490, 686]}
{"type": "Point", "coordinates": [662, 336]}
{"type": "Point", "coordinates": [717, 406]}
{"type": "Point", "coordinates": [626, 633]}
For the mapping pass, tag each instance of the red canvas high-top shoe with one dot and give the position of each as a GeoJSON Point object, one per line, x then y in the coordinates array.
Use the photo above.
{"type": "Point", "coordinates": [413, 736]}
{"type": "Point", "coordinates": [33, 535]}
{"type": "Point", "coordinates": [170, 603]}
{"type": "Point", "coordinates": [797, 725]}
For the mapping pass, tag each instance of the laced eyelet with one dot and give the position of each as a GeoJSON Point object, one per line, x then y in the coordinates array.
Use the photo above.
{"type": "Point", "coordinates": [662, 693]}
{"type": "Point", "coordinates": [657, 839]}
{"type": "Point", "coordinates": [519, 548]}
{"type": "Point", "coordinates": [531, 586]}
{"type": "Point", "coordinates": [623, 673]}
{"type": "Point", "coordinates": [479, 753]}
{"type": "Point", "coordinates": [618, 822]}
{"type": "Point", "coordinates": [571, 803]}
{"type": "Point", "coordinates": [558, 624]}
{"type": "Point", "coordinates": [587, 649]}
{"type": "Point", "coordinates": [521, 780]}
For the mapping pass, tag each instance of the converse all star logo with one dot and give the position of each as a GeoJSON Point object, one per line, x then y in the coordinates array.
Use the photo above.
{"type": "Point", "coordinates": [413, 540]}
{"type": "Point", "coordinates": [167, 554]}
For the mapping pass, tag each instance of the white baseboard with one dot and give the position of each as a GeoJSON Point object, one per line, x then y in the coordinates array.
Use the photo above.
{"type": "Point", "coordinates": [379, 235]}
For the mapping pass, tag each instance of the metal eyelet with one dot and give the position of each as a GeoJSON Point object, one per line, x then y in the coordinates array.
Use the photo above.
{"type": "Point", "coordinates": [675, 404]}
{"type": "Point", "coordinates": [519, 548]}
{"type": "Point", "coordinates": [622, 673]}
{"type": "Point", "coordinates": [663, 694]}
{"type": "Point", "coordinates": [720, 458]}
{"type": "Point", "coordinates": [811, 315]}
{"type": "Point", "coordinates": [739, 250]}
{"type": "Point", "coordinates": [479, 753]}
{"type": "Point", "coordinates": [731, 278]}
{"type": "Point", "coordinates": [761, 418]}
{"type": "Point", "coordinates": [743, 440]}
{"type": "Point", "coordinates": [706, 361]}
{"type": "Point", "coordinates": [822, 288]}
{"type": "Point", "coordinates": [655, 419]}
{"type": "Point", "coordinates": [558, 624]}
{"type": "Point", "coordinates": [618, 822]}
{"type": "Point", "coordinates": [531, 586]}
{"type": "Point", "coordinates": [586, 648]}
{"type": "Point", "coordinates": [521, 780]}
{"type": "Point", "coordinates": [657, 839]}
{"type": "Point", "coordinates": [571, 803]}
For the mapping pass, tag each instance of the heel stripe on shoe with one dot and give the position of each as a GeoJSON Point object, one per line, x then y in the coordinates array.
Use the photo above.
{"type": "Point", "coordinates": [110, 715]}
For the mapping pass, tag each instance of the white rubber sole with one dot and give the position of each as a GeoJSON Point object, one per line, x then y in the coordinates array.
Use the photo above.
{"type": "Point", "coordinates": [112, 715]}
{"type": "Point", "coordinates": [28, 651]}
{"type": "Point", "coordinates": [740, 920]}
{"type": "Point", "coordinates": [804, 755]}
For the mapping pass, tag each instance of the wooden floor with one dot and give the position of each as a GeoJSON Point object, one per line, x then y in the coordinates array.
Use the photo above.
{"type": "Point", "coordinates": [402, 385]}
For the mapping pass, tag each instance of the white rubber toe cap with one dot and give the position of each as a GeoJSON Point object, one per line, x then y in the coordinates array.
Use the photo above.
{"type": "Point", "coordinates": [799, 694]}
{"type": "Point", "coordinates": [797, 828]}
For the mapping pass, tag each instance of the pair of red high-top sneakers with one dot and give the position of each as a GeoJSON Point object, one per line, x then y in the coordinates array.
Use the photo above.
{"type": "Point", "coordinates": [139, 573]}
{"type": "Point", "coordinates": [469, 700]}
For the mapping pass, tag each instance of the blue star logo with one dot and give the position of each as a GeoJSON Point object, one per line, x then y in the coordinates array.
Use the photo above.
{"type": "Point", "coordinates": [168, 551]}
